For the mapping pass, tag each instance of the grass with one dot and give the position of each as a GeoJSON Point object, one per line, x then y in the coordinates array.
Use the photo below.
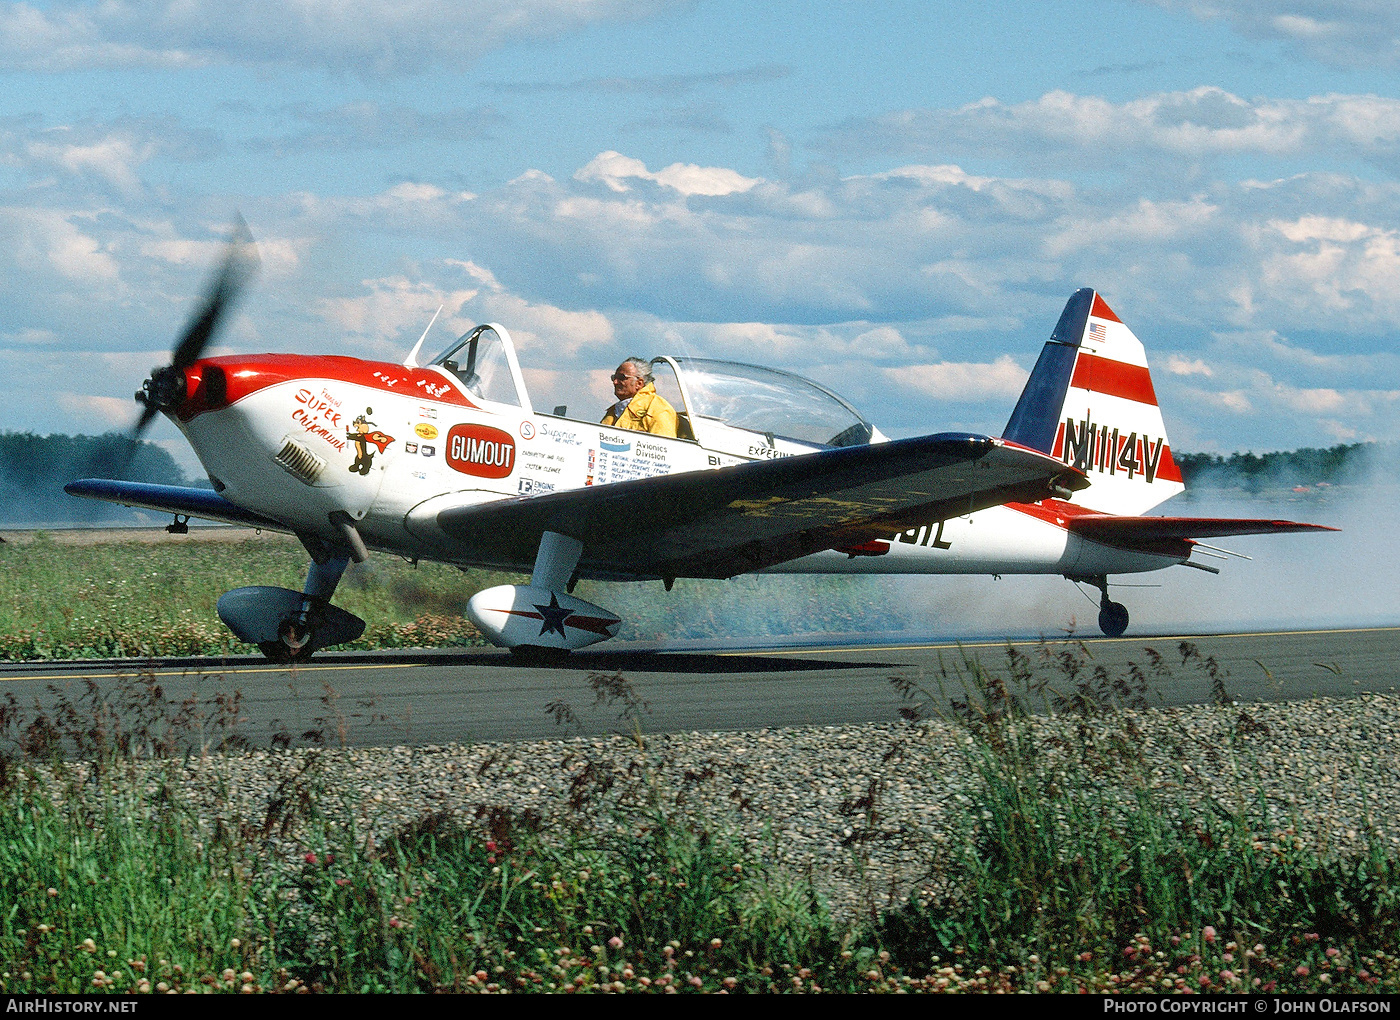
{"type": "Point", "coordinates": [121, 599]}
{"type": "Point", "coordinates": [131, 599]}
{"type": "Point", "coordinates": [1070, 867]}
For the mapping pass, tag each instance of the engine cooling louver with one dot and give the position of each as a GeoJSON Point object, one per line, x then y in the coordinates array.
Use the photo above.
{"type": "Point", "coordinates": [299, 462]}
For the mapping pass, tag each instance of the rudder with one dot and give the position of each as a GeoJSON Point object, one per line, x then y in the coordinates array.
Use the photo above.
{"type": "Point", "coordinates": [1090, 402]}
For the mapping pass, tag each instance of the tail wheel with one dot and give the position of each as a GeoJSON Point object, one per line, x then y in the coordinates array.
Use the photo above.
{"type": "Point", "coordinates": [1113, 618]}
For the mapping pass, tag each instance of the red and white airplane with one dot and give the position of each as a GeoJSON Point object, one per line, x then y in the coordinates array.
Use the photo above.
{"type": "Point", "coordinates": [448, 460]}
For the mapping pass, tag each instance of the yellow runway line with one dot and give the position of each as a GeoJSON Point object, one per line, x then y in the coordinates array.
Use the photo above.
{"type": "Point", "coordinates": [1087, 640]}
{"type": "Point", "coordinates": [207, 671]}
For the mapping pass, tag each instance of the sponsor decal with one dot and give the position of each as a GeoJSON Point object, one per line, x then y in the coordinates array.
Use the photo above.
{"type": "Point", "coordinates": [420, 475]}
{"type": "Point", "coordinates": [427, 451]}
{"type": "Point", "coordinates": [564, 436]}
{"type": "Point", "coordinates": [389, 381]}
{"type": "Point", "coordinates": [480, 450]}
{"type": "Point", "coordinates": [410, 447]}
{"type": "Point", "coordinates": [425, 431]}
{"type": "Point", "coordinates": [427, 412]}
{"type": "Point", "coordinates": [527, 430]}
{"type": "Point", "coordinates": [614, 445]}
{"type": "Point", "coordinates": [533, 487]}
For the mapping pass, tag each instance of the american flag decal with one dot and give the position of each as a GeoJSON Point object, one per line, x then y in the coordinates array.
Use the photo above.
{"type": "Point", "coordinates": [1097, 332]}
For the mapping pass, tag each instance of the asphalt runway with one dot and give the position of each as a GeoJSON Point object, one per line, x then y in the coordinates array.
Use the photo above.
{"type": "Point", "coordinates": [468, 695]}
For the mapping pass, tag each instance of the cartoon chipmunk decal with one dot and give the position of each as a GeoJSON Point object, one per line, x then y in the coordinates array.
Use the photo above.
{"type": "Point", "coordinates": [362, 432]}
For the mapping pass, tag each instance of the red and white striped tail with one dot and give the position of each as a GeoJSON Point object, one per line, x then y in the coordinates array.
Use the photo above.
{"type": "Point", "coordinates": [1090, 402]}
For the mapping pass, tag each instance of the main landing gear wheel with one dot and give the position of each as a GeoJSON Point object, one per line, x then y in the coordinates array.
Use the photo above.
{"type": "Point", "coordinates": [1113, 617]}
{"type": "Point", "coordinates": [293, 644]}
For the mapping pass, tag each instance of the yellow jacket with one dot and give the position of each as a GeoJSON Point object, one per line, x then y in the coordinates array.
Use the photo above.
{"type": "Point", "coordinates": [648, 412]}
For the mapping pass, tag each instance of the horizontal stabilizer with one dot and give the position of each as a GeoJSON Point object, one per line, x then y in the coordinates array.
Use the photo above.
{"type": "Point", "coordinates": [173, 499]}
{"type": "Point", "coordinates": [1137, 532]}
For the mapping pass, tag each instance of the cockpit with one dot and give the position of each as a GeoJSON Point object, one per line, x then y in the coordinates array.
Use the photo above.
{"type": "Point", "coordinates": [765, 400]}
{"type": "Point", "coordinates": [480, 361]}
{"type": "Point", "coordinates": [726, 406]}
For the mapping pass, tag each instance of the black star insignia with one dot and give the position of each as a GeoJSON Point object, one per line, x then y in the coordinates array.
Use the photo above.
{"type": "Point", "coordinates": [554, 616]}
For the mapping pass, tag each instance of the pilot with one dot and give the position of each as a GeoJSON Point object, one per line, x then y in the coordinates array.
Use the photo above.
{"type": "Point", "coordinates": [639, 407]}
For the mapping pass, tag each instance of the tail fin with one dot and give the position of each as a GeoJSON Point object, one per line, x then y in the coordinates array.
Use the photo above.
{"type": "Point", "coordinates": [1089, 401]}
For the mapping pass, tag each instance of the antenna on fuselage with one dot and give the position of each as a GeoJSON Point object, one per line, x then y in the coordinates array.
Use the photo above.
{"type": "Point", "coordinates": [412, 360]}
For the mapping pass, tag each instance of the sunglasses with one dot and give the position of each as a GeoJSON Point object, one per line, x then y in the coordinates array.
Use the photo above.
{"type": "Point", "coordinates": [619, 377]}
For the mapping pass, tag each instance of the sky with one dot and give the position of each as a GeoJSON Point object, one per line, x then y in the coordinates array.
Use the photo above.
{"type": "Point", "coordinates": [895, 199]}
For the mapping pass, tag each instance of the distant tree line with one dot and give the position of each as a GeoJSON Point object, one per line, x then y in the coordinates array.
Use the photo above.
{"type": "Point", "coordinates": [34, 469]}
{"type": "Point", "coordinates": [1256, 471]}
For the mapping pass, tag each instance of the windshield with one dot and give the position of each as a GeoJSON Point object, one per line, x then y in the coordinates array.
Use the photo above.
{"type": "Point", "coordinates": [478, 359]}
{"type": "Point", "coordinates": [773, 402]}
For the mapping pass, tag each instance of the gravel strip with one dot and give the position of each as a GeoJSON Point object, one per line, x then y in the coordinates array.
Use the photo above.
{"type": "Point", "coordinates": [803, 798]}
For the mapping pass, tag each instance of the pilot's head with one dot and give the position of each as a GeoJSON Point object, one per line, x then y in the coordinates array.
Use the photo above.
{"type": "Point", "coordinates": [630, 377]}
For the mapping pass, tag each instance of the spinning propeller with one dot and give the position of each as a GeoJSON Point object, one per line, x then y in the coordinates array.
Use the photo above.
{"type": "Point", "coordinates": [165, 389]}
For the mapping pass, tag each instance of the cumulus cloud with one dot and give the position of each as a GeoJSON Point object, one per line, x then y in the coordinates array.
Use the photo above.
{"type": "Point", "coordinates": [962, 381]}
{"type": "Point", "coordinates": [109, 153]}
{"type": "Point", "coordinates": [371, 38]}
{"type": "Point", "coordinates": [1206, 122]}
{"type": "Point", "coordinates": [42, 242]}
{"type": "Point", "coordinates": [1340, 32]}
{"type": "Point", "coordinates": [616, 170]}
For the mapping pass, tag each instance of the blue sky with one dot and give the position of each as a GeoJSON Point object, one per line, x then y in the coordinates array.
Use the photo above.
{"type": "Point", "coordinates": [893, 198]}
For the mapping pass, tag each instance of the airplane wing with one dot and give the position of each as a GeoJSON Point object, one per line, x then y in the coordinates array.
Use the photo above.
{"type": "Point", "coordinates": [728, 521]}
{"type": "Point", "coordinates": [1151, 532]}
{"type": "Point", "coordinates": [172, 499]}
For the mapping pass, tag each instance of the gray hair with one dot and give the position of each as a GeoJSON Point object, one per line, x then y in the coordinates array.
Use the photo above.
{"type": "Point", "coordinates": [642, 367]}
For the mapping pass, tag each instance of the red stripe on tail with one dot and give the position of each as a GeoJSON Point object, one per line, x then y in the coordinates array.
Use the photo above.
{"type": "Point", "coordinates": [1102, 311]}
{"type": "Point", "coordinates": [1114, 378]}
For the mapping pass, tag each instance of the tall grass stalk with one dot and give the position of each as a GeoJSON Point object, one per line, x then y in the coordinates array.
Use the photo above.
{"type": "Point", "coordinates": [1078, 849]}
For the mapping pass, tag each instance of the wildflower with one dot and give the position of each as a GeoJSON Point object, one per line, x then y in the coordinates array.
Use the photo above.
{"type": "Point", "coordinates": [52, 891]}
{"type": "Point", "coordinates": [310, 858]}
{"type": "Point", "coordinates": [1208, 933]}
{"type": "Point", "coordinates": [615, 942]}
{"type": "Point", "coordinates": [235, 943]}
{"type": "Point", "coordinates": [716, 943]}
{"type": "Point", "coordinates": [1302, 970]}
{"type": "Point", "coordinates": [1333, 951]}
{"type": "Point", "coordinates": [695, 980]}
{"type": "Point", "coordinates": [88, 946]}
{"type": "Point", "coordinates": [1227, 975]}
{"type": "Point", "coordinates": [491, 846]}
{"type": "Point", "coordinates": [342, 881]}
